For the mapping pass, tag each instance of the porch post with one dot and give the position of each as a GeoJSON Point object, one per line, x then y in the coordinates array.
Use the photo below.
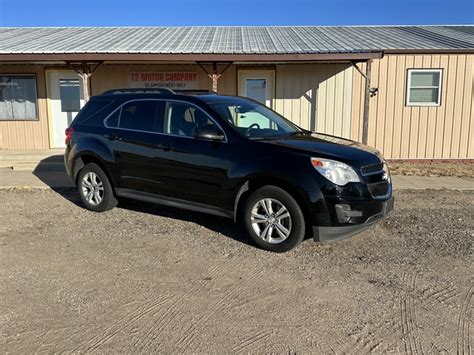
{"type": "Point", "coordinates": [365, 120]}
{"type": "Point", "coordinates": [85, 71]}
{"type": "Point", "coordinates": [215, 75]}
{"type": "Point", "coordinates": [85, 85]}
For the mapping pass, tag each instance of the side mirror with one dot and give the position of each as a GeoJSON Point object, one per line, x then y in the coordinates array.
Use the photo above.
{"type": "Point", "coordinates": [209, 133]}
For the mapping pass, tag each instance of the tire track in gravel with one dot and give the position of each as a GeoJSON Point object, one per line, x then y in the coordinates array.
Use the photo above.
{"type": "Point", "coordinates": [444, 294]}
{"type": "Point", "coordinates": [156, 327]}
{"type": "Point", "coordinates": [129, 320]}
{"type": "Point", "coordinates": [229, 301]}
{"type": "Point", "coordinates": [411, 337]}
{"type": "Point", "coordinates": [174, 314]}
{"type": "Point", "coordinates": [312, 340]}
{"type": "Point", "coordinates": [379, 339]}
{"type": "Point", "coordinates": [463, 333]}
{"type": "Point", "coordinates": [250, 341]}
{"type": "Point", "coordinates": [190, 337]}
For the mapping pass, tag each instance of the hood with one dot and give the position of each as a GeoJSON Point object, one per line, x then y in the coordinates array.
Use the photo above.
{"type": "Point", "coordinates": [326, 146]}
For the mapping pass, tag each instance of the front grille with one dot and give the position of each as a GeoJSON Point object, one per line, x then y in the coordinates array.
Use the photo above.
{"type": "Point", "coordinates": [372, 169]}
{"type": "Point", "coordinates": [379, 189]}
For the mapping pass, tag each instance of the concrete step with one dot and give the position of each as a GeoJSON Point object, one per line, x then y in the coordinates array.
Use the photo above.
{"type": "Point", "coordinates": [33, 166]}
{"type": "Point", "coordinates": [30, 158]}
{"type": "Point", "coordinates": [20, 158]}
{"type": "Point", "coordinates": [30, 155]}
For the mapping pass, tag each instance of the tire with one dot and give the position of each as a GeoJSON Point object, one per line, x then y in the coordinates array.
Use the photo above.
{"type": "Point", "coordinates": [93, 178]}
{"type": "Point", "coordinates": [261, 211]}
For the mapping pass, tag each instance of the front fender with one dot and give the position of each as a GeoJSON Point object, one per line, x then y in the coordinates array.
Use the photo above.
{"type": "Point", "coordinates": [292, 172]}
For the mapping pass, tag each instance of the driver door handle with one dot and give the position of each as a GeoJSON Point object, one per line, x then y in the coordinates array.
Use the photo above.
{"type": "Point", "coordinates": [164, 147]}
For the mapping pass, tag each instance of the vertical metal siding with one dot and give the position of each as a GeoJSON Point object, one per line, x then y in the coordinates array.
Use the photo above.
{"type": "Point", "coordinates": [27, 134]}
{"type": "Point", "coordinates": [316, 96]}
{"type": "Point", "coordinates": [403, 132]}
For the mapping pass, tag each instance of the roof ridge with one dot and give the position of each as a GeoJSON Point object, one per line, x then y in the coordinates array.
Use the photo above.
{"type": "Point", "coordinates": [241, 26]}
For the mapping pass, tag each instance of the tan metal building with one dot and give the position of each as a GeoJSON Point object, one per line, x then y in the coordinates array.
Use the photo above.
{"type": "Point", "coordinates": [406, 90]}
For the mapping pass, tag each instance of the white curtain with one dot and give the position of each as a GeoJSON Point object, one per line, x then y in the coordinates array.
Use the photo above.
{"type": "Point", "coordinates": [17, 97]}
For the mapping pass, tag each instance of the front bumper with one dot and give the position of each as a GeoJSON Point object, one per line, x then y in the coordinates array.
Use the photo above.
{"type": "Point", "coordinates": [328, 234]}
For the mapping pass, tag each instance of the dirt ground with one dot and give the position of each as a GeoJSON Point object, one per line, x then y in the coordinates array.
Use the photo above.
{"type": "Point", "coordinates": [143, 278]}
{"type": "Point", "coordinates": [464, 170]}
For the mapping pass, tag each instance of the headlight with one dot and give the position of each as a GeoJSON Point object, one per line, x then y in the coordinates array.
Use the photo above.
{"type": "Point", "coordinates": [335, 171]}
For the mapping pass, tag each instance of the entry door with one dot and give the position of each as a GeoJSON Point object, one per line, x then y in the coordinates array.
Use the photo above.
{"type": "Point", "coordinates": [66, 99]}
{"type": "Point", "coordinates": [257, 85]}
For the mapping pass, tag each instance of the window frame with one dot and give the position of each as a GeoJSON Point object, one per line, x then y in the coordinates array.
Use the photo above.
{"type": "Point", "coordinates": [409, 103]}
{"type": "Point", "coordinates": [159, 133]}
{"type": "Point", "coordinates": [36, 118]}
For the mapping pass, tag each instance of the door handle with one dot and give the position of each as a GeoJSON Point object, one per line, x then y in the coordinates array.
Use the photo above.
{"type": "Point", "coordinates": [112, 137]}
{"type": "Point", "coordinates": [164, 147]}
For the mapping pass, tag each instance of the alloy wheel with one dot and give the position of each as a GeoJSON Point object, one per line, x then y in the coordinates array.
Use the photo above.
{"type": "Point", "coordinates": [271, 220]}
{"type": "Point", "coordinates": [92, 188]}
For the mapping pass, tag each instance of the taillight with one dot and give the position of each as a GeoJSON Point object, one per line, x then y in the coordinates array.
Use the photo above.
{"type": "Point", "coordinates": [68, 135]}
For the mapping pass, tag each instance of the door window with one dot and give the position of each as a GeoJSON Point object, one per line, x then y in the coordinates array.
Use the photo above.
{"type": "Point", "coordinates": [182, 119]}
{"type": "Point", "coordinates": [256, 89]}
{"type": "Point", "coordinates": [257, 85]}
{"type": "Point", "coordinates": [141, 115]}
{"type": "Point", "coordinates": [70, 95]}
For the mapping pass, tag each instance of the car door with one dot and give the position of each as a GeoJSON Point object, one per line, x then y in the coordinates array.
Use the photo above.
{"type": "Point", "coordinates": [142, 153]}
{"type": "Point", "coordinates": [200, 168]}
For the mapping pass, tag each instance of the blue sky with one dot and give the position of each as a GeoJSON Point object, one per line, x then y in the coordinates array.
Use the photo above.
{"type": "Point", "coordinates": [232, 12]}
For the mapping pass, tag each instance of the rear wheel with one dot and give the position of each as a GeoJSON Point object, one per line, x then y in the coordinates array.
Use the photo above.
{"type": "Point", "coordinates": [274, 219]}
{"type": "Point", "coordinates": [95, 189]}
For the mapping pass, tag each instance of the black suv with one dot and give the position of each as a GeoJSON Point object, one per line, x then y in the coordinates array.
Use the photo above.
{"type": "Point", "coordinates": [228, 156]}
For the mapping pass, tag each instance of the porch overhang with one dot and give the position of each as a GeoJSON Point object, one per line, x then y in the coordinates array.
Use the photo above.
{"type": "Point", "coordinates": [189, 57]}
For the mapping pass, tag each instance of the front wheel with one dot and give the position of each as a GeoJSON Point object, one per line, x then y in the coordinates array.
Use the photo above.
{"type": "Point", "coordinates": [95, 189]}
{"type": "Point", "coordinates": [274, 219]}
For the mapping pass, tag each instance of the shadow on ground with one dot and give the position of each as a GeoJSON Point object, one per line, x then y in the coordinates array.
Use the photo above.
{"type": "Point", "coordinates": [52, 172]}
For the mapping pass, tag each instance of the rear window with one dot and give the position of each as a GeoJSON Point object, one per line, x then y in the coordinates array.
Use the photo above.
{"type": "Point", "coordinates": [94, 112]}
{"type": "Point", "coordinates": [139, 115]}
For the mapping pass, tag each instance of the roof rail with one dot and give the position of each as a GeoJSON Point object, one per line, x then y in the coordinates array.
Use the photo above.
{"type": "Point", "coordinates": [195, 92]}
{"type": "Point", "coordinates": [139, 90]}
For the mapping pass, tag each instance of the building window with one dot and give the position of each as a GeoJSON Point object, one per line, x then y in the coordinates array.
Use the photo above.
{"type": "Point", "coordinates": [424, 87]}
{"type": "Point", "coordinates": [17, 97]}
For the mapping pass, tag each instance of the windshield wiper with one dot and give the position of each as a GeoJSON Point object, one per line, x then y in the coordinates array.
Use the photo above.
{"type": "Point", "coordinates": [277, 136]}
{"type": "Point", "coordinates": [296, 133]}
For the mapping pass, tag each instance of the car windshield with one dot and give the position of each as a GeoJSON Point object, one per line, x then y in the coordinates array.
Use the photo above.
{"type": "Point", "coordinates": [254, 120]}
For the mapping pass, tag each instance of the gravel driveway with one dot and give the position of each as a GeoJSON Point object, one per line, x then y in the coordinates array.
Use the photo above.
{"type": "Point", "coordinates": [143, 278]}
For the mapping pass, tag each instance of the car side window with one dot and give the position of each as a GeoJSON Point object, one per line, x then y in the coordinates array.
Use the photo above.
{"type": "Point", "coordinates": [182, 119]}
{"type": "Point", "coordinates": [113, 120]}
{"type": "Point", "coordinates": [140, 115]}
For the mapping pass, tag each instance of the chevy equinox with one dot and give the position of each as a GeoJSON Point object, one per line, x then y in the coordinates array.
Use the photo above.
{"type": "Point", "coordinates": [228, 156]}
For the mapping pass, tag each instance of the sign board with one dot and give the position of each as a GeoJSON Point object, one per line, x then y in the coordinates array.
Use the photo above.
{"type": "Point", "coordinates": [165, 79]}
